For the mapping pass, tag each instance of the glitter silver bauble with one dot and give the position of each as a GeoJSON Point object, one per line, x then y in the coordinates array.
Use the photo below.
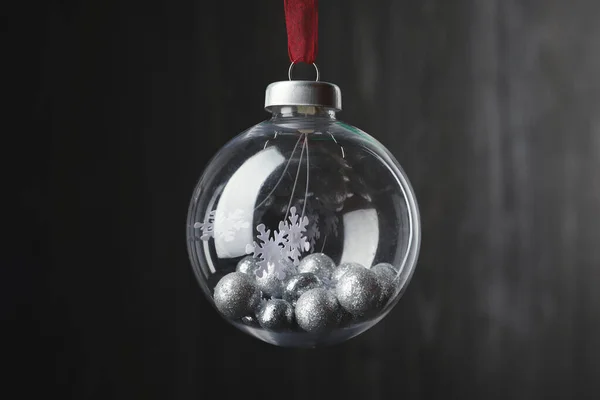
{"type": "Point", "coordinates": [317, 263]}
{"type": "Point", "coordinates": [270, 284]}
{"type": "Point", "coordinates": [236, 295]}
{"type": "Point", "coordinates": [340, 270]}
{"type": "Point", "coordinates": [358, 291]}
{"type": "Point", "coordinates": [318, 311]}
{"type": "Point", "coordinates": [247, 265]}
{"type": "Point", "coordinates": [276, 315]}
{"type": "Point", "coordinates": [386, 275]}
{"type": "Point", "coordinates": [295, 286]}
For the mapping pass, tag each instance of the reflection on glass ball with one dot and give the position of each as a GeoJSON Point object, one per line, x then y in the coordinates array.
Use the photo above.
{"type": "Point", "coordinates": [302, 198]}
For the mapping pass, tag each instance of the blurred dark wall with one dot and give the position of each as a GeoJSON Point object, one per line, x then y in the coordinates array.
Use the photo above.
{"type": "Point", "coordinates": [491, 106]}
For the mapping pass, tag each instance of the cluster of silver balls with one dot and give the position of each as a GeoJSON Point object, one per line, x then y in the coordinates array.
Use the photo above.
{"type": "Point", "coordinates": [317, 297]}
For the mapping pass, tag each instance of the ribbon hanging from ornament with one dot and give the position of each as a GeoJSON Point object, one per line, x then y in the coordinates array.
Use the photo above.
{"type": "Point", "coordinates": [301, 20]}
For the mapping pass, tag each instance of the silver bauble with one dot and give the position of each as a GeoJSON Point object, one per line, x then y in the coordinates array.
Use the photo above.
{"type": "Point", "coordinates": [270, 284]}
{"type": "Point", "coordinates": [340, 270]}
{"type": "Point", "coordinates": [386, 276]}
{"type": "Point", "coordinates": [247, 265]}
{"type": "Point", "coordinates": [276, 315]}
{"type": "Point", "coordinates": [317, 263]}
{"type": "Point", "coordinates": [358, 291]}
{"type": "Point", "coordinates": [236, 295]}
{"type": "Point", "coordinates": [295, 286]}
{"type": "Point", "coordinates": [317, 311]}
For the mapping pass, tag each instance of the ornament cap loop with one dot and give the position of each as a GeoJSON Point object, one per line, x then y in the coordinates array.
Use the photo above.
{"type": "Point", "coordinates": [292, 67]}
{"type": "Point", "coordinates": [303, 93]}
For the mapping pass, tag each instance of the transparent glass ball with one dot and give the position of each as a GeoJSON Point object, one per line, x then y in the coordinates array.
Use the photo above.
{"type": "Point", "coordinates": [303, 230]}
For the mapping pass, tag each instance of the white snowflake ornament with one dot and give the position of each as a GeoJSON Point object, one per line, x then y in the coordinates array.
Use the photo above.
{"type": "Point", "coordinates": [295, 231]}
{"type": "Point", "coordinates": [269, 251]}
{"type": "Point", "coordinates": [272, 249]}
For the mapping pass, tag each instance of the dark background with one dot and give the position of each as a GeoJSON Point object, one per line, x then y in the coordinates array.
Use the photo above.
{"type": "Point", "coordinates": [491, 106]}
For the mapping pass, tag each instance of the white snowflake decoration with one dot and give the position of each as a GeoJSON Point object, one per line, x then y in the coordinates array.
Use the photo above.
{"type": "Point", "coordinates": [269, 250]}
{"type": "Point", "coordinates": [273, 248]}
{"type": "Point", "coordinates": [232, 222]}
{"type": "Point", "coordinates": [295, 231]}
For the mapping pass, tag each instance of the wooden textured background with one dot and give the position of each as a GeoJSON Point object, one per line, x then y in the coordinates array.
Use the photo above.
{"type": "Point", "coordinates": [491, 106]}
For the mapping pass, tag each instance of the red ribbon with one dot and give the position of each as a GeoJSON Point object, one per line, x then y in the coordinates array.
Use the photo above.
{"type": "Point", "coordinates": [301, 20]}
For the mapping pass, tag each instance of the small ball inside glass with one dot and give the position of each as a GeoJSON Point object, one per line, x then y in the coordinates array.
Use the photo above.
{"type": "Point", "coordinates": [270, 284]}
{"type": "Point", "coordinates": [341, 269]}
{"type": "Point", "coordinates": [358, 291]}
{"type": "Point", "coordinates": [319, 264]}
{"type": "Point", "coordinates": [299, 284]}
{"type": "Point", "coordinates": [247, 265]}
{"type": "Point", "coordinates": [236, 295]}
{"type": "Point", "coordinates": [386, 275]}
{"type": "Point", "coordinates": [276, 315]}
{"type": "Point", "coordinates": [318, 311]}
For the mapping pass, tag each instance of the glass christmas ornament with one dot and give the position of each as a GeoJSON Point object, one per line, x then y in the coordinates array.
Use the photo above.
{"type": "Point", "coordinates": [303, 230]}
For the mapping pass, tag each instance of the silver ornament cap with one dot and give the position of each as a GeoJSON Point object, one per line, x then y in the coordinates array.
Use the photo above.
{"type": "Point", "coordinates": [303, 93]}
